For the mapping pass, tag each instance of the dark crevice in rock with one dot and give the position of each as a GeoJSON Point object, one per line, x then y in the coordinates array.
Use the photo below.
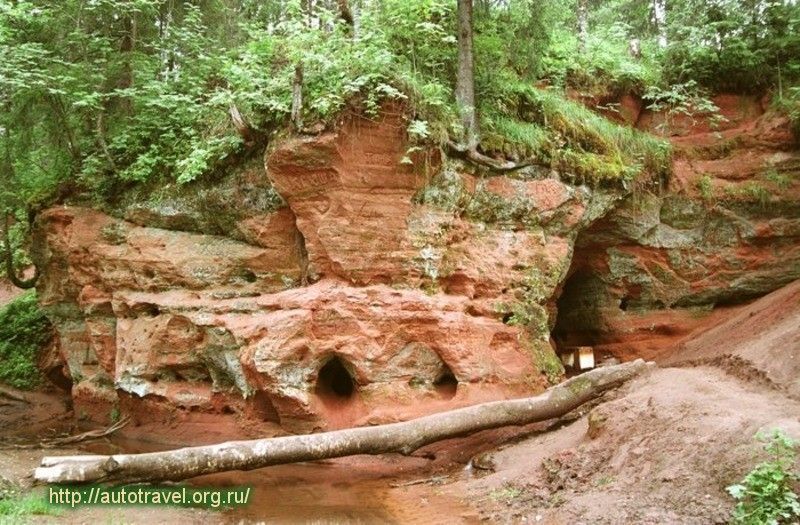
{"type": "Point", "coordinates": [264, 408]}
{"type": "Point", "coordinates": [578, 320]}
{"type": "Point", "coordinates": [302, 253]}
{"type": "Point", "coordinates": [57, 377]}
{"type": "Point", "coordinates": [623, 303]}
{"type": "Point", "coordinates": [150, 310]}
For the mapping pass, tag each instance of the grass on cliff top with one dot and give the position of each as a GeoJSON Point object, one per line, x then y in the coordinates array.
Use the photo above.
{"type": "Point", "coordinates": [584, 146]}
{"type": "Point", "coordinates": [24, 330]}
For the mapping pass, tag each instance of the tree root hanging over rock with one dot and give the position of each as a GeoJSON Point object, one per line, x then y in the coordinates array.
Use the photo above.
{"type": "Point", "coordinates": [9, 256]}
{"type": "Point", "coordinates": [474, 156]}
{"type": "Point", "coordinates": [405, 437]}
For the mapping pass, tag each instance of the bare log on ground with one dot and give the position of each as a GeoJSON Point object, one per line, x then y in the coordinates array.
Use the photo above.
{"type": "Point", "coordinates": [405, 437]}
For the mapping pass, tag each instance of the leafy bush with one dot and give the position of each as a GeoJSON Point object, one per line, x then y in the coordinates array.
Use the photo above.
{"type": "Point", "coordinates": [766, 495]}
{"type": "Point", "coordinates": [100, 96]}
{"type": "Point", "coordinates": [686, 99]}
{"type": "Point", "coordinates": [789, 104]}
{"type": "Point", "coordinates": [24, 329]}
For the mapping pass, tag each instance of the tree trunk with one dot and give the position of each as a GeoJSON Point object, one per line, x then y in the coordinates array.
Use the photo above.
{"type": "Point", "coordinates": [583, 24]}
{"type": "Point", "coordinates": [345, 13]}
{"type": "Point", "coordinates": [465, 82]}
{"type": "Point", "coordinates": [297, 97]}
{"type": "Point", "coordinates": [660, 21]}
{"type": "Point", "coordinates": [405, 437]}
{"type": "Point", "coordinates": [242, 126]}
{"type": "Point", "coordinates": [11, 273]}
{"type": "Point", "coordinates": [100, 130]}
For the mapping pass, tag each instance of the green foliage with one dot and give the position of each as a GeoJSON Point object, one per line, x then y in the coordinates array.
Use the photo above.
{"type": "Point", "coordinates": [686, 99]}
{"type": "Point", "coordinates": [24, 329]}
{"type": "Point", "coordinates": [605, 67]}
{"type": "Point", "coordinates": [781, 181]}
{"type": "Point", "coordinates": [97, 97]}
{"type": "Point", "coordinates": [732, 45]}
{"type": "Point", "coordinates": [15, 504]}
{"type": "Point", "coordinates": [766, 494]}
{"type": "Point", "coordinates": [15, 507]}
{"type": "Point", "coordinates": [750, 192]}
{"type": "Point", "coordinates": [789, 104]}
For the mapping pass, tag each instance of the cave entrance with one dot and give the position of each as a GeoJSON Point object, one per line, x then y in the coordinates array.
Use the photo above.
{"type": "Point", "coordinates": [335, 383]}
{"type": "Point", "coordinates": [578, 318]}
{"type": "Point", "coordinates": [578, 328]}
{"type": "Point", "coordinates": [446, 383]}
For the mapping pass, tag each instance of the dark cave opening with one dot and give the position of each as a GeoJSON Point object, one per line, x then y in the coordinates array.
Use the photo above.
{"type": "Point", "coordinates": [623, 303]}
{"type": "Point", "coordinates": [446, 384]}
{"type": "Point", "coordinates": [335, 382]}
{"type": "Point", "coordinates": [578, 310]}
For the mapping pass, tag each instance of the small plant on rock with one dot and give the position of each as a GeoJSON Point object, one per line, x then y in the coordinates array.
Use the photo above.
{"type": "Point", "coordinates": [706, 187]}
{"type": "Point", "coordinates": [766, 495]}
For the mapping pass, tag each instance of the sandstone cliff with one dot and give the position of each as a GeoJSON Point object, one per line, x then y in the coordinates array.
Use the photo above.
{"type": "Point", "coordinates": [339, 284]}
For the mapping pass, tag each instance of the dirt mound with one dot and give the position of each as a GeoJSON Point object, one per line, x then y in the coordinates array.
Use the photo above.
{"type": "Point", "coordinates": [662, 452]}
{"type": "Point", "coordinates": [762, 338]}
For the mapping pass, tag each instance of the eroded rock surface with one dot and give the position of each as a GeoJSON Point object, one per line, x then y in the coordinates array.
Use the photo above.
{"type": "Point", "coordinates": [726, 231]}
{"type": "Point", "coordinates": [350, 284]}
{"type": "Point", "coordinates": [383, 290]}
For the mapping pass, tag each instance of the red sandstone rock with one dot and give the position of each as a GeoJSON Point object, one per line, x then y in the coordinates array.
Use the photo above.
{"type": "Point", "coordinates": [413, 307]}
{"type": "Point", "coordinates": [198, 322]}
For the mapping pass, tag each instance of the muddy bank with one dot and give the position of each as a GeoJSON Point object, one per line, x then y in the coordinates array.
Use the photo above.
{"type": "Point", "coordinates": [660, 450]}
{"type": "Point", "coordinates": [663, 451]}
{"type": "Point", "coordinates": [388, 489]}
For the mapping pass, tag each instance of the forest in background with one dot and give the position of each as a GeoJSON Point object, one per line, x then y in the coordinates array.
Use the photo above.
{"type": "Point", "coordinates": [98, 96]}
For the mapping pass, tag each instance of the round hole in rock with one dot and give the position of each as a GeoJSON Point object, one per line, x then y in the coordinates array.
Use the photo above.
{"type": "Point", "coordinates": [446, 384]}
{"type": "Point", "coordinates": [249, 276]}
{"type": "Point", "coordinates": [334, 381]}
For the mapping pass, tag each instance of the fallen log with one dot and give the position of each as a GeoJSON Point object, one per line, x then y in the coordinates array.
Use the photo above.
{"type": "Point", "coordinates": [404, 437]}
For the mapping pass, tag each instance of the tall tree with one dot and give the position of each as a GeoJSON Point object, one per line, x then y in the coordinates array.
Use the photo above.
{"type": "Point", "coordinates": [465, 81]}
{"type": "Point", "coordinates": [583, 24]}
{"type": "Point", "coordinates": [660, 21]}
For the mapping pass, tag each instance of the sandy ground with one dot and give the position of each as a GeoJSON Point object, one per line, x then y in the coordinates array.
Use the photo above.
{"type": "Point", "coordinates": [663, 451]}
{"type": "Point", "coordinates": [759, 341]}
